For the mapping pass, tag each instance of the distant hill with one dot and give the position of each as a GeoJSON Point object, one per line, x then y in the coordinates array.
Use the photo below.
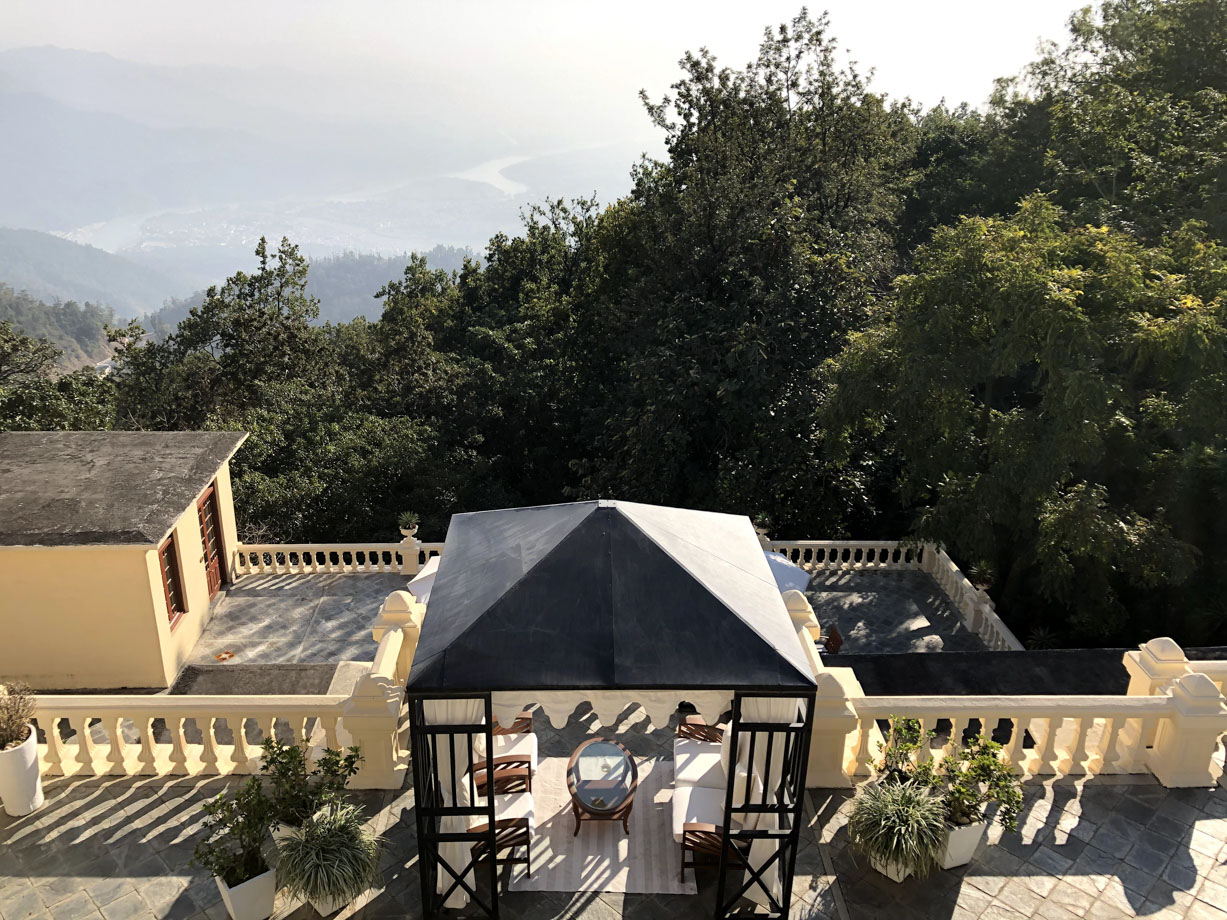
{"type": "Point", "coordinates": [50, 268]}
{"type": "Point", "coordinates": [78, 330]}
{"type": "Point", "coordinates": [345, 285]}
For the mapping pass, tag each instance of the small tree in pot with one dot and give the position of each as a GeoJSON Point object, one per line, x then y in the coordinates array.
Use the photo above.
{"type": "Point", "coordinates": [331, 859]}
{"type": "Point", "coordinates": [967, 780]}
{"type": "Point", "coordinates": [408, 523]}
{"type": "Point", "coordinates": [21, 787]}
{"type": "Point", "coordinates": [232, 851]}
{"type": "Point", "coordinates": [300, 788]}
{"type": "Point", "coordinates": [901, 827]}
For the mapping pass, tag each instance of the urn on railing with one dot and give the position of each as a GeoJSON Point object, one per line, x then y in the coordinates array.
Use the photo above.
{"type": "Point", "coordinates": [408, 523]}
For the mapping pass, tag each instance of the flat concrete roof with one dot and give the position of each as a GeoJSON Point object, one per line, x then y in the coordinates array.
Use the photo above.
{"type": "Point", "coordinates": [103, 488]}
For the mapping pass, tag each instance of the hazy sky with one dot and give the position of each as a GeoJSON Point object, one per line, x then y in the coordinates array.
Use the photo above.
{"type": "Point", "coordinates": [580, 62]}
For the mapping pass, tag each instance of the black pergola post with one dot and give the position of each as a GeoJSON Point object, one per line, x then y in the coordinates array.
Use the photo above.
{"type": "Point", "coordinates": [782, 796]}
{"type": "Point", "coordinates": [434, 800]}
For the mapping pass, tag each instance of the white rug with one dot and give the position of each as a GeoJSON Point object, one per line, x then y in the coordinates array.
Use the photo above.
{"type": "Point", "coordinates": [602, 857]}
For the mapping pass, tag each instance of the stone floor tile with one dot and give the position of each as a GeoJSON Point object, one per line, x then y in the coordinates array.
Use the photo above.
{"type": "Point", "coordinates": [1052, 911]}
{"type": "Point", "coordinates": [1050, 861]}
{"type": "Point", "coordinates": [128, 907]}
{"type": "Point", "coordinates": [20, 903]}
{"type": "Point", "coordinates": [1212, 893]}
{"type": "Point", "coordinates": [1203, 911]}
{"type": "Point", "coordinates": [1020, 896]}
{"type": "Point", "coordinates": [76, 907]}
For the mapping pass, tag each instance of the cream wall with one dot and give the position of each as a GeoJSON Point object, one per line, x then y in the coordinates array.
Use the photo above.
{"type": "Point", "coordinates": [91, 617]}
{"type": "Point", "coordinates": [178, 641]}
{"type": "Point", "coordinates": [79, 617]}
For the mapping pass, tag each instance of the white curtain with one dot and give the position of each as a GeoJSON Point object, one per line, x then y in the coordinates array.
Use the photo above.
{"type": "Point", "coordinates": [783, 710]}
{"type": "Point", "coordinates": [558, 705]}
{"type": "Point", "coordinates": [451, 775]}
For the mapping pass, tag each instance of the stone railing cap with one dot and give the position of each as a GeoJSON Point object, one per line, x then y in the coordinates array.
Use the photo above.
{"type": "Point", "coordinates": [1163, 649]}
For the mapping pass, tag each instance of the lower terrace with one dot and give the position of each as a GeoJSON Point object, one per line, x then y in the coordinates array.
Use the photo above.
{"type": "Point", "coordinates": [1101, 834]}
{"type": "Point", "coordinates": [1096, 847]}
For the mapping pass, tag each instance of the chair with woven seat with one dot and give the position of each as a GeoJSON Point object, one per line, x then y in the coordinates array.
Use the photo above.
{"type": "Point", "coordinates": [513, 830]}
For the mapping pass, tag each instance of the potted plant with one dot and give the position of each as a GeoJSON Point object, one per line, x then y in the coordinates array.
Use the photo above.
{"type": "Point", "coordinates": [237, 827]}
{"type": "Point", "coordinates": [968, 779]}
{"type": "Point", "coordinates": [330, 859]}
{"type": "Point", "coordinates": [300, 788]}
{"type": "Point", "coordinates": [21, 787]}
{"type": "Point", "coordinates": [408, 523]}
{"type": "Point", "coordinates": [901, 827]}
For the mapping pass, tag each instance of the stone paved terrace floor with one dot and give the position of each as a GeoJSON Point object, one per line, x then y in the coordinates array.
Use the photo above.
{"type": "Point", "coordinates": [889, 612]}
{"type": "Point", "coordinates": [267, 619]}
{"type": "Point", "coordinates": [118, 848]}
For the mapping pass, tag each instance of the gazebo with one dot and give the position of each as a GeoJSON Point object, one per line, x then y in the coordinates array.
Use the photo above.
{"type": "Point", "coordinates": [612, 603]}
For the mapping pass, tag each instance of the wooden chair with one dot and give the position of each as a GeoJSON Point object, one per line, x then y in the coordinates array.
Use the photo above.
{"type": "Point", "coordinates": [523, 725]}
{"type": "Point", "coordinates": [832, 642]}
{"type": "Point", "coordinates": [694, 728]}
{"type": "Point", "coordinates": [701, 846]}
{"type": "Point", "coordinates": [510, 834]}
{"type": "Point", "coordinates": [512, 773]}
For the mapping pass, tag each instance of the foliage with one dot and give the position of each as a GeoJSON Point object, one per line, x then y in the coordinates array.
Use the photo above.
{"type": "Point", "coordinates": [1049, 392]}
{"type": "Point", "coordinates": [300, 788]}
{"type": "Point", "coordinates": [79, 331]}
{"type": "Point", "coordinates": [16, 712]}
{"type": "Point", "coordinates": [237, 826]}
{"type": "Point", "coordinates": [903, 824]}
{"type": "Point", "coordinates": [967, 779]}
{"type": "Point", "coordinates": [331, 857]}
{"type": "Point", "coordinates": [1042, 389]}
{"type": "Point", "coordinates": [407, 520]}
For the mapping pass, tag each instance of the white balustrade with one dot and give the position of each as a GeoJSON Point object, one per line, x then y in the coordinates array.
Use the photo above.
{"type": "Point", "coordinates": [172, 735]}
{"type": "Point", "coordinates": [1047, 735]}
{"type": "Point", "coordinates": [849, 555]}
{"type": "Point", "coordinates": [219, 735]}
{"type": "Point", "coordinates": [330, 558]}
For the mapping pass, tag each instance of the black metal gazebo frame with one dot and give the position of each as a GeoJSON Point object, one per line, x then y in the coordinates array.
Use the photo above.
{"type": "Point", "coordinates": [782, 798]}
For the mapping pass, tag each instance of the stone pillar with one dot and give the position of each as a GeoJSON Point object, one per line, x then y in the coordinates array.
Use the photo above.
{"type": "Point", "coordinates": [411, 548]}
{"type": "Point", "coordinates": [1185, 743]}
{"type": "Point", "coordinates": [1151, 668]}
{"type": "Point", "coordinates": [372, 718]}
{"type": "Point", "coordinates": [835, 721]}
{"type": "Point", "coordinates": [401, 610]}
{"type": "Point", "coordinates": [802, 613]}
{"type": "Point", "coordinates": [763, 540]}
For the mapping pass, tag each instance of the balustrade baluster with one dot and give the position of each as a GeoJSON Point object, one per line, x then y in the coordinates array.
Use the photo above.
{"type": "Point", "coordinates": [862, 746]}
{"type": "Point", "coordinates": [1016, 753]}
{"type": "Point", "coordinates": [85, 744]}
{"type": "Point", "coordinates": [118, 754]}
{"type": "Point", "coordinates": [1140, 750]}
{"type": "Point", "coordinates": [149, 752]}
{"type": "Point", "coordinates": [55, 746]}
{"type": "Point", "coordinates": [240, 755]}
{"type": "Point", "coordinates": [1107, 750]}
{"type": "Point", "coordinates": [1048, 757]}
{"type": "Point", "coordinates": [330, 732]}
{"type": "Point", "coordinates": [925, 753]}
{"type": "Point", "coordinates": [1077, 751]}
{"type": "Point", "coordinates": [208, 755]}
{"type": "Point", "coordinates": [178, 751]}
{"type": "Point", "coordinates": [957, 725]}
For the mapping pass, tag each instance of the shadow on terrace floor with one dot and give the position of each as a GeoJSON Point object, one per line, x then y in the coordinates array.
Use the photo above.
{"type": "Point", "coordinates": [1096, 849]}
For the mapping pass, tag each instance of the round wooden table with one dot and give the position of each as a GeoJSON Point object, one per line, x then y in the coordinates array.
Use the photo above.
{"type": "Point", "coordinates": [602, 778]}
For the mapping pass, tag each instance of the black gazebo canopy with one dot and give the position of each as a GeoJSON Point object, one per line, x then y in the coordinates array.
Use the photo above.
{"type": "Point", "coordinates": [605, 595]}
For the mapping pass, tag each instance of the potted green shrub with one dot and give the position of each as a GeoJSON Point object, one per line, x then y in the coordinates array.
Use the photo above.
{"type": "Point", "coordinates": [408, 523]}
{"type": "Point", "coordinates": [966, 780]}
{"type": "Point", "coordinates": [21, 787]}
{"type": "Point", "coordinates": [232, 851]}
{"type": "Point", "coordinates": [300, 788]}
{"type": "Point", "coordinates": [330, 859]}
{"type": "Point", "coordinates": [901, 827]}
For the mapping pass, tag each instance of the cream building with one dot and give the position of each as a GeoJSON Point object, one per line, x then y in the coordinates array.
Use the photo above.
{"type": "Point", "coordinates": [112, 546]}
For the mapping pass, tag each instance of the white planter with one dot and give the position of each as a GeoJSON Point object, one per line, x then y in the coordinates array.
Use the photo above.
{"type": "Point", "coordinates": [326, 908]}
{"type": "Point", "coordinates": [409, 532]}
{"type": "Point", "coordinates": [962, 842]}
{"type": "Point", "coordinates": [253, 899]}
{"type": "Point", "coordinates": [21, 788]}
{"type": "Point", "coordinates": [892, 870]}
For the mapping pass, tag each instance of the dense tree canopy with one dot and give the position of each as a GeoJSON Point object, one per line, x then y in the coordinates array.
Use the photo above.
{"type": "Point", "coordinates": [1005, 331]}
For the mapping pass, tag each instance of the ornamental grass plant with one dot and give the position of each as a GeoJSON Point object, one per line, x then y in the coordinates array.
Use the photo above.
{"type": "Point", "coordinates": [332, 858]}
{"type": "Point", "coordinates": [16, 714]}
{"type": "Point", "coordinates": [899, 824]}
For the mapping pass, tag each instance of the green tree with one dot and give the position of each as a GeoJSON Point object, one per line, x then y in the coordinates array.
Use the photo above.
{"type": "Point", "coordinates": [34, 398]}
{"type": "Point", "coordinates": [1055, 397]}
